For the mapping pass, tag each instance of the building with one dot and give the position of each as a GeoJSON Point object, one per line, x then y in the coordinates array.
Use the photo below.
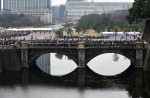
{"type": "Point", "coordinates": [44, 15]}
{"type": "Point", "coordinates": [0, 5]}
{"type": "Point", "coordinates": [26, 4]}
{"type": "Point", "coordinates": [55, 13]}
{"type": "Point", "coordinates": [58, 14]}
{"type": "Point", "coordinates": [62, 9]}
{"type": "Point", "coordinates": [40, 8]}
{"type": "Point", "coordinates": [75, 10]}
{"type": "Point", "coordinates": [76, 0]}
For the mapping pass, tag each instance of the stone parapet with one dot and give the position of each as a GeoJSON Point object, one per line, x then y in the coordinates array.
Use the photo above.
{"type": "Point", "coordinates": [81, 45]}
{"type": "Point", "coordinates": [139, 45]}
{"type": "Point", "coordinates": [24, 45]}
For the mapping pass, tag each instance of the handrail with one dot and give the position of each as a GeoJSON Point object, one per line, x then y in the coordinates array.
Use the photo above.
{"type": "Point", "coordinates": [74, 44]}
{"type": "Point", "coordinates": [53, 45]}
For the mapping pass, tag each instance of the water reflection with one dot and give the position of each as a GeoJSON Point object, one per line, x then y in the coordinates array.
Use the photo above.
{"type": "Point", "coordinates": [115, 57]}
{"type": "Point", "coordinates": [56, 64]}
{"type": "Point", "coordinates": [38, 85]}
{"type": "Point", "coordinates": [59, 56]}
{"type": "Point", "coordinates": [109, 64]}
{"type": "Point", "coordinates": [46, 92]}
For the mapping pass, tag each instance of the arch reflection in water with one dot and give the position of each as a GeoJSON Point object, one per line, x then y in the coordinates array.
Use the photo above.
{"type": "Point", "coordinates": [109, 64]}
{"type": "Point", "coordinates": [56, 64]}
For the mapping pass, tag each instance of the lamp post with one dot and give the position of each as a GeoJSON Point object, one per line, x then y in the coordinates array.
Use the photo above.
{"type": "Point", "coordinates": [134, 35]}
{"type": "Point", "coordinates": [31, 36]}
{"type": "Point", "coordinates": [50, 37]}
{"type": "Point", "coordinates": [126, 35]}
{"type": "Point", "coordinates": [115, 29]}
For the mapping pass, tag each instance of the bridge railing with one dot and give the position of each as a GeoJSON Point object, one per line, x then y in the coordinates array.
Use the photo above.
{"type": "Point", "coordinates": [53, 45]}
{"type": "Point", "coordinates": [76, 44]}
{"type": "Point", "coordinates": [12, 46]}
{"type": "Point", "coordinates": [110, 45]}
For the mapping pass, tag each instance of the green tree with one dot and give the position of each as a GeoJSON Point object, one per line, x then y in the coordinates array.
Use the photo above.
{"type": "Point", "coordinates": [14, 20]}
{"type": "Point", "coordinates": [87, 22]}
{"type": "Point", "coordinates": [59, 32]}
{"type": "Point", "coordinates": [69, 31]}
{"type": "Point", "coordinates": [59, 56]}
{"type": "Point", "coordinates": [139, 12]}
{"type": "Point", "coordinates": [99, 22]}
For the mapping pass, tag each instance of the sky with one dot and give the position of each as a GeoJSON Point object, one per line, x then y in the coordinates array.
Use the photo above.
{"type": "Point", "coordinates": [58, 2]}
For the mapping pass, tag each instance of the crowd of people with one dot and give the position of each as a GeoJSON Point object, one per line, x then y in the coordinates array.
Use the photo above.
{"type": "Point", "coordinates": [109, 43]}
{"type": "Point", "coordinates": [90, 41]}
{"type": "Point", "coordinates": [74, 42]}
{"type": "Point", "coordinates": [13, 34]}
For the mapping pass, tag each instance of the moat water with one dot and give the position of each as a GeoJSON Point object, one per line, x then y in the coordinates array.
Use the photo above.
{"type": "Point", "coordinates": [56, 76]}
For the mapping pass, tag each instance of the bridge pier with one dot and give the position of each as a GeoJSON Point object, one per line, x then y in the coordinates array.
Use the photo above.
{"type": "Point", "coordinates": [24, 76]}
{"type": "Point", "coordinates": [1, 62]}
{"type": "Point", "coordinates": [139, 55]}
{"type": "Point", "coordinates": [147, 57]}
{"type": "Point", "coordinates": [138, 82]}
{"type": "Point", "coordinates": [24, 54]}
{"type": "Point", "coordinates": [81, 55]}
{"type": "Point", "coordinates": [81, 77]}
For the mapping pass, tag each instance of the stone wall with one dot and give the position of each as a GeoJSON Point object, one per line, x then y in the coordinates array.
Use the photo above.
{"type": "Point", "coordinates": [10, 60]}
{"type": "Point", "coordinates": [146, 57]}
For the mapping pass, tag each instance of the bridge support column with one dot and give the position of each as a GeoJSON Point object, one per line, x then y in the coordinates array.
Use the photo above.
{"type": "Point", "coordinates": [139, 55]}
{"type": "Point", "coordinates": [138, 82]}
{"type": "Point", "coordinates": [24, 54]}
{"type": "Point", "coordinates": [1, 69]}
{"type": "Point", "coordinates": [24, 76]}
{"type": "Point", "coordinates": [81, 77]}
{"type": "Point", "coordinates": [81, 54]}
{"type": "Point", "coordinates": [147, 58]}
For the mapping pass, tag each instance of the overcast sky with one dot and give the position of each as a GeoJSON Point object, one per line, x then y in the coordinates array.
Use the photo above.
{"type": "Point", "coordinates": [58, 2]}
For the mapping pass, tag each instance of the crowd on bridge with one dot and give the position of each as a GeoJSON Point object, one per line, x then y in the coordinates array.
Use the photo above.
{"type": "Point", "coordinates": [74, 42]}
{"type": "Point", "coordinates": [8, 38]}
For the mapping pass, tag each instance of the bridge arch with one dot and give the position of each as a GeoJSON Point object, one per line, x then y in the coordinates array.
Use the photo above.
{"type": "Point", "coordinates": [129, 53]}
{"type": "Point", "coordinates": [35, 53]}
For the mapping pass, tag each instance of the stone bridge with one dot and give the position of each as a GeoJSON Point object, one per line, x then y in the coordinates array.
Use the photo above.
{"type": "Point", "coordinates": [24, 54]}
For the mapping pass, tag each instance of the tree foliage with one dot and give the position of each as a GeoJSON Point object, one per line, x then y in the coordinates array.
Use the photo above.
{"type": "Point", "coordinates": [69, 31]}
{"type": "Point", "coordinates": [59, 32]}
{"type": "Point", "coordinates": [141, 12]}
{"type": "Point", "coordinates": [14, 20]}
{"type": "Point", "coordinates": [59, 56]}
{"type": "Point", "coordinates": [107, 22]}
{"type": "Point", "coordinates": [92, 21]}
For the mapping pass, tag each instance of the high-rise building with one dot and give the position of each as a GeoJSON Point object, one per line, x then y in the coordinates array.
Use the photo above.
{"type": "Point", "coordinates": [58, 13]}
{"type": "Point", "coordinates": [26, 4]}
{"type": "Point", "coordinates": [38, 8]}
{"type": "Point", "coordinates": [62, 9]}
{"type": "Point", "coordinates": [55, 13]}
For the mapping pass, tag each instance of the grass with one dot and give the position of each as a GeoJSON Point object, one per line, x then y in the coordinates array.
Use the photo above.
{"type": "Point", "coordinates": [1, 28]}
{"type": "Point", "coordinates": [87, 33]}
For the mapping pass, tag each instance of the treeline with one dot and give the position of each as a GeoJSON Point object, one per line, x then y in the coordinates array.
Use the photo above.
{"type": "Point", "coordinates": [21, 20]}
{"type": "Point", "coordinates": [140, 11]}
{"type": "Point", "coordinates": [107, 22]}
